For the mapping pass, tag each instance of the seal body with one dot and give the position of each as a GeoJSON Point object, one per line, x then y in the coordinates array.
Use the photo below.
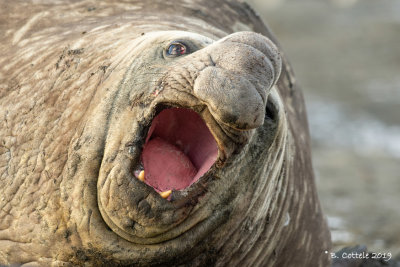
{"type": "Point", "coordinates": [152, 133]}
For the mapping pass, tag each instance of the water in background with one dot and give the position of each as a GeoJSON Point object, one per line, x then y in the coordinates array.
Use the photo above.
{"type": "Point", "coordinates": [346, 57]}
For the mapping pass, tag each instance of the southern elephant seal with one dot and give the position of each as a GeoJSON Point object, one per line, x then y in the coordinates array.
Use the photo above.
{"type": "Point", "coordinates": [148, 133]}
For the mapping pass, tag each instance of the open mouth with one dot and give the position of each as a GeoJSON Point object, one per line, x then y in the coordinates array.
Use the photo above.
{"type": "Point", "coordinates": [178, 150]}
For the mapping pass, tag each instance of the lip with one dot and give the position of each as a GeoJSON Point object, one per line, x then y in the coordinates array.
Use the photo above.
{"type": "Point", "coordinates": [135, 210]}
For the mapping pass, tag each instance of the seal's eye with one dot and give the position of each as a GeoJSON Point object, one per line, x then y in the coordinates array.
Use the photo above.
{"type": "Point", "coordinates": [177, 49]}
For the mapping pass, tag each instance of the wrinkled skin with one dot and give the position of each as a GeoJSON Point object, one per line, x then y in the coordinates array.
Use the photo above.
{"type": "Point", "coordinates": [80, 86]}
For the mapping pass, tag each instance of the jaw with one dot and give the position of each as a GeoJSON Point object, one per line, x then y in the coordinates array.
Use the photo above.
{"type": "Point", "coordinates": [178, 151]}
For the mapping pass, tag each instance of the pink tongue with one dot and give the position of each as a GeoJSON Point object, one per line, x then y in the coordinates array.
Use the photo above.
{"type": "Point", "coordinates": [166, 166]}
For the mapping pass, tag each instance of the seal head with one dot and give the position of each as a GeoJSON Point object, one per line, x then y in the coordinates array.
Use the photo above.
{"type": "Point", "coordinates": [182, 126]}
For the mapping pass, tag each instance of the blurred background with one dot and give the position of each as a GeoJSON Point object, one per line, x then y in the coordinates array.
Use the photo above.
{"type": "Point", "coordinates": [346, 57]}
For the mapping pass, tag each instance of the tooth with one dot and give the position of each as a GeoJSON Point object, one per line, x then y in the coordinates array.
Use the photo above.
{"type": "Point", "coordinates": [165, 194]}
{"type": "Point", "coordinates": [141, 176]}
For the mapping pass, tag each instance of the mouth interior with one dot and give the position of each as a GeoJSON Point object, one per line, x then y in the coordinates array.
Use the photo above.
{"type": "Point", "coordinates": [179, 149]}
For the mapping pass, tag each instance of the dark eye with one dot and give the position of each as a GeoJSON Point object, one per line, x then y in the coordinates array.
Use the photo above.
{"type": "Point", "coordinates": [177, 49]}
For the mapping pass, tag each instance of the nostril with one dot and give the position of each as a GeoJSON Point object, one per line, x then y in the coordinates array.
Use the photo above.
{"type": "Point", "coordinates": [270, 111]}
{"type": "Point", "coordinates": [212, 62]}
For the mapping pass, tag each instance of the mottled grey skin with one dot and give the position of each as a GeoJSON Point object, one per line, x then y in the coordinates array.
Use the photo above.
{"type": "Point", "coordinates": [79, 85]}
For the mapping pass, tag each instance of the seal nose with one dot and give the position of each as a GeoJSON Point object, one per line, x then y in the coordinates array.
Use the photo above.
{"type": "Point", "coordinates": [235, 89]}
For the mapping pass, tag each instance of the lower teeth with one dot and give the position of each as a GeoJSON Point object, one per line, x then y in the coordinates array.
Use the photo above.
{"type": "Point", "coordinates": [141, 176]}
{"type": "Point", "coordinates": [139, 173]}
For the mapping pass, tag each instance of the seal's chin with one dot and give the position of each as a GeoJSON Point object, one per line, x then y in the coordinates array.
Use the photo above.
{"type": "Point", "coordinates": [178, 150]}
